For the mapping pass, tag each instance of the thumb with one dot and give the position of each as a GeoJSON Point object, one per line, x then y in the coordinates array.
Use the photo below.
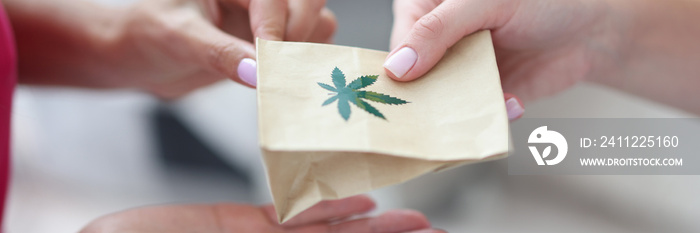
{"type": "Point", "coordinates": [431, 35]}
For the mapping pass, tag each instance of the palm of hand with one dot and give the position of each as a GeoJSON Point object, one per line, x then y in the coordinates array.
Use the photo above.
{"type": "Point", "coordinates": [327, 216]}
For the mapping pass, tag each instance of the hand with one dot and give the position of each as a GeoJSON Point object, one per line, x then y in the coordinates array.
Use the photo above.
{"type": "Point", "coordinates": [542, 47]}
{"type": "Point", "coordinates": [327, 216]}
{"type": "Point", "coordinates": [194, 43]}
{"type": "Point", "coordinates": [168, 47]}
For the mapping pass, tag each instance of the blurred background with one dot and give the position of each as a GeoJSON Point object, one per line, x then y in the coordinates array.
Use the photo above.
{"type": "Point", "coordinates": [80, 154]}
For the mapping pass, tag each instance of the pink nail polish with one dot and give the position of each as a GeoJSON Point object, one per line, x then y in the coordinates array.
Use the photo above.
{"type": "Point", "coordinates": [400, 62]}
{"type": "Point", "coordinates": [514, 109]}
{"type": "Point", "coordinates": [247, 71]}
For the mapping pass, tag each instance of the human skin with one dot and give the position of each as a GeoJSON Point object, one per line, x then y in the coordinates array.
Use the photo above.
{"type": "Point", "coordinates": [325, 217]}
{"type": "Point", "coordinates": [644, 47]}
{"type": "Point", "coordinates": [171, 47]}
{"type": "Point", "coordinates": [166, 47]}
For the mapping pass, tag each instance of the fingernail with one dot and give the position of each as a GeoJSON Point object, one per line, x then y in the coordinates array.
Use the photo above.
{"type": "Point", "coordinates": [400, 62]}
{"type": "Point", "coordinates": [247, 71]}
{"type": "Point", "coordinates": [514, 109]}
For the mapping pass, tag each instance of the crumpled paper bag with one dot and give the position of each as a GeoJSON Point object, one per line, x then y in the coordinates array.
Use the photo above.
{"type": "Point", "coordinates": [333, 125]}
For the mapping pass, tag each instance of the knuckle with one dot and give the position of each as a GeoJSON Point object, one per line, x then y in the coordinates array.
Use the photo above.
{"type": "Point", "coordinates": [318, 5]}
{"type": "Point", "coordinates": [435, 3]}
{"type": "Point", "coordinates": [321, 4]}
{"type": "Point", "coordinates": [221, 55]}
{"type": "Point", "coordinates": [329, 19]}
{"type": "Point", "coordinates": [430, 26]}
{"type": "Point", "coordinates": [270, 30]}
{"type": "Point", "coordinates": [281, 3]}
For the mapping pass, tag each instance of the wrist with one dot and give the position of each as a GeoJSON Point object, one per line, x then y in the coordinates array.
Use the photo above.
{"type": "Point", "coordinates": [55, 36]}
{"type": "Point", "coordinates": [658, 54]}
{"type": "Point", "coordinates": [109, 39]}
{"type": "Point", "coordinates": [611, 40]}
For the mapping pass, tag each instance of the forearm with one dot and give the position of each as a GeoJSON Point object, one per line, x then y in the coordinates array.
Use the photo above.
{"type": "Point", "coordinates": [63, 42]}
{"type": "Point", "coordinates": [660, 52]}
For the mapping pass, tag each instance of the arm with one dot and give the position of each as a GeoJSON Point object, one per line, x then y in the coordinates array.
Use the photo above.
{"type": "Point", "coordinates": [64, 42]}
{"type": "Point", "coordinates": [167, 47]}
{"type": "Point", "coordinates": [660, 54]}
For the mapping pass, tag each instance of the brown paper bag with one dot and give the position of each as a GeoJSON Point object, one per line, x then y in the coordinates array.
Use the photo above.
{"type": "Point", "coordinates": [333, 125]}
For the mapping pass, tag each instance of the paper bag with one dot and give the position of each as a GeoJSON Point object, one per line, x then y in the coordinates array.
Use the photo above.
{"type": "Point", "coordinates": [333, 125]}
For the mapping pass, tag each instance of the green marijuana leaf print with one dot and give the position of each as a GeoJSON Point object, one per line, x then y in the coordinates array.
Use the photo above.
{"type": "Point", "coordinates": [351, 93]}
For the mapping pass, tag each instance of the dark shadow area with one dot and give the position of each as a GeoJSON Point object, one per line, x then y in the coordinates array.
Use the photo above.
{"type": "Point", "coordinates": [180, 150]}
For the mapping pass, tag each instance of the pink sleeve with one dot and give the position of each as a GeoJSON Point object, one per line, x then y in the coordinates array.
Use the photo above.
{"type": "Point", "coordinates": [8, 73]}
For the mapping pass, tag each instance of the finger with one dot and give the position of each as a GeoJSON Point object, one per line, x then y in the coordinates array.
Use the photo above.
{"type": "Point", "coordinates": [514, 106]}
{"type": "Point", "coordinates": [181, 87]}
{"type": "Point", "coordinates": [328, 210]}
{"type": "Point", "coordinates": [406, 13]}
{"type": "Point", "coordinates": [302, 20]}
{"type": "Point", "coordinates": [428, 231]}
{"type": "Point", "coordinates": [235, 19]}
{"type": "Point", "coordinates": [390, 222]}
{"type": "Point", "coordinates": [427, 40]}
{"type": "Point", "coordinates": [268, 18]}
{"type": "Point", "coordinates": [212, 11]}
{"type": "Point", "coordinates": [430, 36]}
{"type": "Point", "coordinates": [221, 53]}
{"type": "Point", "coordinates": [325, 28]}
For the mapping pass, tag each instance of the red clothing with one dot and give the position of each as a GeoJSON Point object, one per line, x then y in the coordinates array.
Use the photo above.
{"type": "Point", "coordinates": [8, 74]}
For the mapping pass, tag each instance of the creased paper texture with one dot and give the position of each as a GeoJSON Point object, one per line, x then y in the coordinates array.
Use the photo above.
{"type": "Point", "coordinates": [454, 115]}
